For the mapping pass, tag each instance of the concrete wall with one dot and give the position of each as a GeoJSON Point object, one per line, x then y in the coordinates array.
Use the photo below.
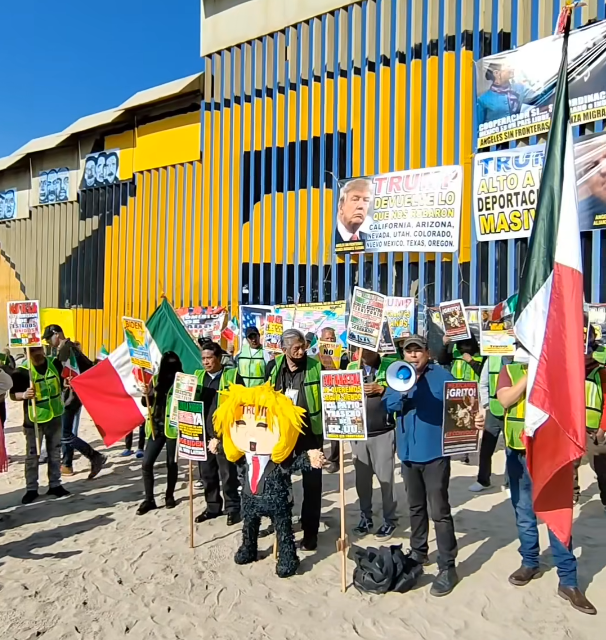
{"type": "Point", "coordinates": [229, 22]}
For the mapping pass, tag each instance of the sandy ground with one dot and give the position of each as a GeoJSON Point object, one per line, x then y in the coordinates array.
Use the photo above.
{"type": "Point", "coordinates": [87, 567]}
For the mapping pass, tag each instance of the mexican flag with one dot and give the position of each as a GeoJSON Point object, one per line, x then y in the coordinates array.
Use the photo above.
{"type": "Point", "coordinates": [109, 391]}
{"type": "Point", "coordinates": [549, 324]}
{"type": "Point", "coordinates": [70, 366]}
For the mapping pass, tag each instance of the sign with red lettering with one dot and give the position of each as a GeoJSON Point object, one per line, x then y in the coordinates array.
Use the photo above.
{"type": "Point", "coordinates": [191, 443]}
{"type": "Point", "coordinates": [24, 324]}
{"type": "Point", "coordinates": [343, 405]}
{"type": "Point", "coordinates": [461, 405]}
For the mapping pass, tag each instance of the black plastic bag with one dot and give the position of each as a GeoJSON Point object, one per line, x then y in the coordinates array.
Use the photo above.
{"type": "Point", "coordinates": [384, 569]}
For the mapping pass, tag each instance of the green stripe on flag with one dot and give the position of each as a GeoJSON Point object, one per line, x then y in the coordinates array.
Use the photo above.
{"type": "Point", "coordinates": [540, 259]}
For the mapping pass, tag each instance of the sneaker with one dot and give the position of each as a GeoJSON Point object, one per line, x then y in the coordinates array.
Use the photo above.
{"type": "Point", "coordinates": [309, 543]}
{"type": "Point", "coordinates": [476, 487]}
{"type": "Point", "coordinates": [29, 497]}
{"type": "Point", "coordinates": [170, 502]}
{"type": "Point", "coordinates": [126, 453]}
{"type": "Point", "coordinates": [364, 527]}
{"type": "Point", "coordinates": [96, 465]}
{"type": "Point", "coordinates": [140, 453]}
{"type": "Point", "coordinates": [446, 581]}
{"type": "Point", "coordinates": [385, 532]}
{"type": "Point", "coordinates": [58, 492]}
{"type": "Point", "coordinates": [67, 471]}
{"type": "Point", "coordinates": [198, 484]}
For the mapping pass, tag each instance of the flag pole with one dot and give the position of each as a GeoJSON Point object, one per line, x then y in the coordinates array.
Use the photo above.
{"type": "Point", "coordinates": [33, 401]}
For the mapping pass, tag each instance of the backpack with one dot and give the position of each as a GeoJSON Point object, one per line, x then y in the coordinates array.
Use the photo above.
{"type": "Point", "coordinates": [385, 569]}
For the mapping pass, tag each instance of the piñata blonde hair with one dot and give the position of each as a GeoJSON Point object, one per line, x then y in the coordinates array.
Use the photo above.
{"type": "Point", "coordinates": [279, 410]}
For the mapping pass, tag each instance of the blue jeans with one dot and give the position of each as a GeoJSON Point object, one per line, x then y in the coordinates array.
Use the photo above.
{"type": "Point", "coordinates": [520, 486]}
{"type": "Point", "coordinates": [70, 441]}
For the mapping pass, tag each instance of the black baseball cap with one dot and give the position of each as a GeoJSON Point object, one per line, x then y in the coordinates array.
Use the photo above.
{"type": "Point", "coordinates": [252, 331]}
{"type": "Point", "coordinates": [415, 339]}
{"type": "Point", "coordinates": [309, 337]}
{"type": "Point", "coordinates": [50, 331]}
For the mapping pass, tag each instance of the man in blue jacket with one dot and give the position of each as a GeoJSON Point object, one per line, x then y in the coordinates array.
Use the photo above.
{"type": "Point", "coordinates": [425, 470]}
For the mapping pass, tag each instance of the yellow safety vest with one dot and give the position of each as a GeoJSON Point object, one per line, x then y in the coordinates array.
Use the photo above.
{"type": "Point", "coordinates": [251, 366]}
{"type": "Point", "coordinates": [462, 370]}
{"type": "Point", "coordinates": [495, 364]}
{"type": "Point", "coordinates": [594, 399]}
{"type": "Point", "coordinates": [312, 390]}
{"type": "Point", "coordinates": [47, 387]}
{"type": "Point", "coordinates": [516, 414]}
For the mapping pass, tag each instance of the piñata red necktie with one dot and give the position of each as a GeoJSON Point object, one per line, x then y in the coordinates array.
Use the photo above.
{"type": "Point", "coordinates": [254, 481]}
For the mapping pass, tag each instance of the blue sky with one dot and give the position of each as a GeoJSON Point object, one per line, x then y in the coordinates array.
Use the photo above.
{"type": "Point", "coordinates": [73, 58]}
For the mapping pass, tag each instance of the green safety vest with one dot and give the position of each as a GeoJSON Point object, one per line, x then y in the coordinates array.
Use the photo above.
{"type": "Point", "coordinates": [599, 355]}
{"type": "Point", "coordinates": [47, 387]}
{"type": "Point", "coordinates": [495, 364]}
{"type": "Point", "coordinates": [169, 430]}
{"type": "Point", "coordinates": [594, 399]}
{"type": "Point", "coordinates": [4, 359]}
{"type": "Point", "coordinates": [251, 366]}
{"type": "Point", "coordinates": [461, 370]}
{"type": "Point", "coordinates": [312, 390]}
{"type": "Point", "coordinates": [515, 415]}
{"type": "Point", "coordinates": [228, 378]}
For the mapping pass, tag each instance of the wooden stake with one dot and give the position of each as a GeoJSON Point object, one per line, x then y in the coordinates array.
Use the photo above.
{"type": "Point", "coordinates": [33, 401]}
{"type": "Point", "coordinates": [276, 547]}
{"type": "Point", "coordinates": [191, 505]}
{"type": "Point", "coordinates": [342, 542]}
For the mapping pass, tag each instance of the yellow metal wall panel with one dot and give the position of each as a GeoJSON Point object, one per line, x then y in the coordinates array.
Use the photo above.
{"type": "Point", "coordinates": [126, 143]}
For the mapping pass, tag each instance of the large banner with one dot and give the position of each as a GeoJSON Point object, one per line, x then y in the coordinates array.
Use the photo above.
{"type": "Point", "coordinates": [417, 210]}
{"type": "Point", "coordinates": [254, 316]}
{"type": "Point", "coordinates": [516, 88]}
{"type": "Point", "coordinates": [506, 188]}
{"type": "Point", "coordinates": [313, 317]}
{"type": "Point", "coordinates": [203, 322]}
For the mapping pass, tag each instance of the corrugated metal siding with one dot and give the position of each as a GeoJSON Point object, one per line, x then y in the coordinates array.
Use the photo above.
{"type": "Point", "coordinates": [377, 86]}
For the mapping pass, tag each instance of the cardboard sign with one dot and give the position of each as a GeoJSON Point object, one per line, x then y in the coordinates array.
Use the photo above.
{"type": "Point", "coordinates": [461, 405]}
{"type": "Point", "coordinates": [343, 405]}
{"type": "Point", "coordinates": [366, 319]}
{"type": "Point", "coordinates": [400, 314]}
{"type": "Point", "coordinates": [138, 345]}
{"type": "Point", "coordinates": [274, 327]}
{"type": "Point", "coordinates": [24, 324]}
{"type": "Point", "coordinates": [184, 389]}
{"type": "Point", "coordinates": [496, 336]}
{"type": "Point", "coordinates": [454, 320]}
{"type": "Point", "coordinates": [203, 322]}
{"type": "Point", "coordinates": [191, 443]}
{"type": "Point", "coordinates": [330, 355]}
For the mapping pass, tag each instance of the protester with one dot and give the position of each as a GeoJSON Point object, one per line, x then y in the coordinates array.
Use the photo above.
{"type": "Point", "coordinates": [425, 470]}
{"type": "Point", "coordinates": [328, 334]}
{"type": "Point", "coordinates": [66, 350]}
{"type": "Point", "coordinates": [297, 375]}
{"type": "Point", "coordinates": [511, 393]}
{"type": "Point", "coordinates": [6, 384]}
{"type": "Point", "coordinates": [375, 456]}
{"type": "Point", "coordinates": [160, 395]}
{"type": "Point", "coordinates": [251, 359]}
{"type": "Point", "coordinates": [595, 420]}
{"type": "Point", "coordinates": [494, 419]}
{"type": "Point", "coordinates": [216, 472]}
{"type": "Point", "coordinates": [128, 444]}
{"type": "Point", "coordinates": [46, 386]}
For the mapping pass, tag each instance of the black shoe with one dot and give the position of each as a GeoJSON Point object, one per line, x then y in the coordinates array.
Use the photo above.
{"type": "Point", "coordinates": [385, 532]}
{"type": "Point", "coordinates": [146, 506]}
{"type": "Point", "coordinates": [446, 581]}
{"type": "Point", "coordinates": [332, 467]}
{"type": "Point", "coordinates": [416, 558]}
{"type": "Point", "coordinates": [96, 464]}
{"type": "Point", "coordinates": [29, 497]}
{"type": "Point", "coordinates": [364, 527]}
{"type": "Point", "coordinates": [169, 502]}
{"type": "Point", "coordinates": [206, 515]}
{"type": "Point", "coordinates": [58, 492]}
{"type": "Point", "coordinates": [233, 518]}
{"type": "Point", "coordinates": [522, 576]}
{"type": "Point", "coordinates": [309, 543]}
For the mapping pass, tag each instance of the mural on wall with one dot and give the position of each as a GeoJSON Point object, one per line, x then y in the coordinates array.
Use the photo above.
{"type": "Point", "coordinates": [101, 169]}
{"type": "Point", "coordinates": [53, 186]}
{"type": "Point", "coordinates": [8, 204]}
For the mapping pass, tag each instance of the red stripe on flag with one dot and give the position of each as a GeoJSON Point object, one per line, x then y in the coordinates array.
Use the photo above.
{"type": "Point", "coordinates": [559, 391]}
{"type": "Point", "coordinates": [111, 408]}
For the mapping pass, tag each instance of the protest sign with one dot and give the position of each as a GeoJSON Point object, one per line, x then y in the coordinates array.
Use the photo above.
{"type": "Point", "coordinates": [506, 187]}
{"type": "Point", "coordinates": [365, 319]}
{"type": "Point", "coordinates": [496, 336]}
{"type": "Point", "coordinates": [203, 322]}
{"type": "Point", "coordinates": [192, 435]}
{"type": "Point", "coordinates": [313, 317]}
{"type": "Point", "coordinates": [597, 318]}
{"type": "Point", "coordinates": [24, 323]}
{"type": "Point", "coordinates": [415, 210]}
{"type": "Point", "coordinates": [516, 88]}
{"type": "Point", "coordinates": [454, 320]}
{"type": "Point", "coordinates": [330, 355]}
{"type": "Point", "coordinates": [343, 405]}
{"type": "Point", "coordinates": [138, 344]}
{"type": "Point", "coordinates": [274, 328]}
{"type": "Point", "coordinates": [386, 343]}
{"type": "Point", "coordinates": [461, 405]}
{"type": "Point", "coordinates": [400, 314]}
{"type": "Point", "coordinates": [184, 389]}
{"type": "Point", "coordinates": [254, 316]}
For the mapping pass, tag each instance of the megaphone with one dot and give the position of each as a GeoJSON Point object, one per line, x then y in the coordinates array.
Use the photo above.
{"type": "Point", "coordinates": [401, 376]}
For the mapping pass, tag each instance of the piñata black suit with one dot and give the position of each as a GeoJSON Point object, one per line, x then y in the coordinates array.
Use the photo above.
{"type": "Point", "coordinates": [272, 499]}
